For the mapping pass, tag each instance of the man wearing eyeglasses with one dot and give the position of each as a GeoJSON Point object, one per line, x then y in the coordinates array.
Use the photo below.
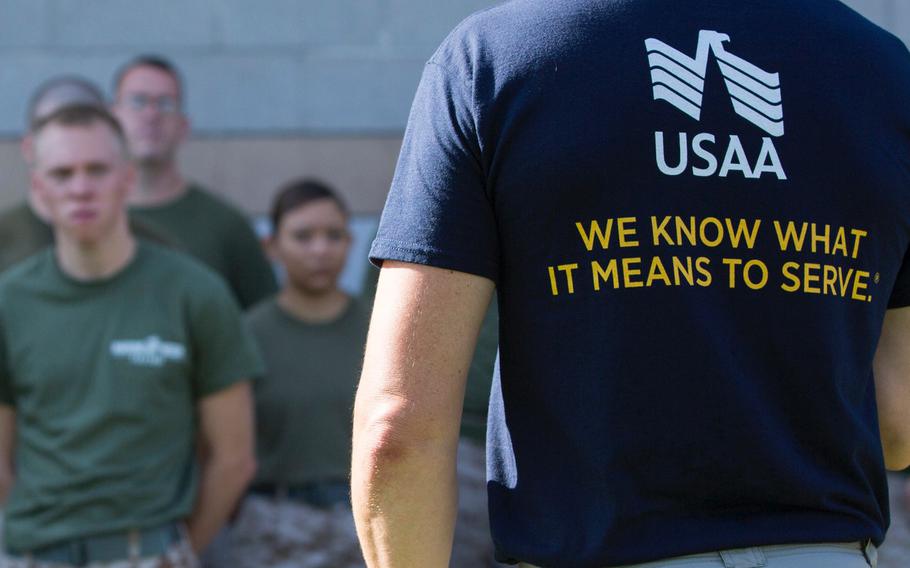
{"type": "Point", "coordinates": [148, 101]}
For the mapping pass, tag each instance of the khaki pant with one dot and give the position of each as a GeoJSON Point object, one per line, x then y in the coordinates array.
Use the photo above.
{"type": "Point", "coordinates": [832, 555]}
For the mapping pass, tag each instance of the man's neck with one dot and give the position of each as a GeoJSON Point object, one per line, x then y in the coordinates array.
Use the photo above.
{"type": "Point", "coordinates": [96, 261]}
{"type": "Point", "coordinates": [157, 184]}
{"type": "Point", "coordinates": [314, 308]}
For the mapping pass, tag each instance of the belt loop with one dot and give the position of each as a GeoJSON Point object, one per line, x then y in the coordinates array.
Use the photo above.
{"type": "Point", "coordinates": [870, 552]}
{"type": "Point", "coordinates": [135, 547]}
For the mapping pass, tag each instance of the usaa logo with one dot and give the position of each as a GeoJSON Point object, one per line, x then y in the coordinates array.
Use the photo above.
{"type": "Point", "coordinates": [755, 93]}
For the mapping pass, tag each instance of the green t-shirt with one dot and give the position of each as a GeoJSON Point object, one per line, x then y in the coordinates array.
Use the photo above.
{"type": "Point", "coordinates": [305, 399]}
{"type": "Point", "coordinates": [22, 234]}
{"type": "Point", "coordinates": [104, 377]}
{"type": "Point", "coordinates": [218, 235]}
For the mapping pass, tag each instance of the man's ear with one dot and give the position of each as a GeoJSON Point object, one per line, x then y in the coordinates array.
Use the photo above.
{"type": "Point", "coordinates": [130, 180]}
{"type": "Point", "coordinates": [269, 245]}
{"type": "Point", "coordinates": [27, 148]}
{"type": "Point", "coordinates": [37, 196]}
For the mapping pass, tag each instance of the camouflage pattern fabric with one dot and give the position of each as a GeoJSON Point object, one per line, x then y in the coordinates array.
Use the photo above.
{"type": "Point", "coordinates": [180, 555]}
{"type": "Point", "coordinates": [289, 534]}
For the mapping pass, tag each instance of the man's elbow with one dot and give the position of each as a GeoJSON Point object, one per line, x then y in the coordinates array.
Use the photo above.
{"type": "Point", "coordinates": [387, 435]}
{"type": "Point", "coordinates": [239, 466]}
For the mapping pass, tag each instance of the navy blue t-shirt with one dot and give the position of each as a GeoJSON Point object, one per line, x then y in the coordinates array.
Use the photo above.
{"type": "Point", "coordinates": [696, 214]}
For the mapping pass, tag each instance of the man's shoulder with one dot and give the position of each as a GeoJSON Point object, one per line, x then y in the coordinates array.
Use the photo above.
{"type": "Point", "coordinates": [180, 269]}
{"type": "Point", "coordinates": [25, 272]}
{"type": "Point", "coordinates": [24, 282]}
{"type": "Point", "coordinates": [214, 206]}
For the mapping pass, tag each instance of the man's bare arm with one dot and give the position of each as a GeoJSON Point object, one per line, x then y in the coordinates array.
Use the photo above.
{"type": "Point", "coordinates": [892, 388]}
{"type": "Point", "coordinates": [7, 446]}
{"type": "Point", "coordinates": [228, 459]}
{"type": "Point", "coordinates": [408, 409]}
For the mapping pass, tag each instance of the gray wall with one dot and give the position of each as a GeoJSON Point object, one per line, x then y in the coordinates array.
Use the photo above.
{"type": "Point", "coordinates": [893, 15]}
{"type": "Point", "coordinates": [252, 66]}
{"type": "Point", "coordinates": [258, 66]}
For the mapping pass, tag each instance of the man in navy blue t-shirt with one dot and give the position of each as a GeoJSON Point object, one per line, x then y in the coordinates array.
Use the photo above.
{"type": "Point", "coordinates": [696, 216]}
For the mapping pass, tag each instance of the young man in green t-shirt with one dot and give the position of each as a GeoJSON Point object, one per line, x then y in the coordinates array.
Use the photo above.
{"type": "Point", "coordinates": [114, 355]}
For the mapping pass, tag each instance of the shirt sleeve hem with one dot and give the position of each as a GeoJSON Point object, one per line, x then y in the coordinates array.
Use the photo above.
{"type": "Point", "coordinates": [393, 250]}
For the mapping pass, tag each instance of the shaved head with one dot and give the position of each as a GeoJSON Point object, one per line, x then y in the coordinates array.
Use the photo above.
{"type": "Point", "coordinates": [59, 92]}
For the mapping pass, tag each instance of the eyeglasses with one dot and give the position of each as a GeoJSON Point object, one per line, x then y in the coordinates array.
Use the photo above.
{"type": "Point", "coordinates": [165, 104]}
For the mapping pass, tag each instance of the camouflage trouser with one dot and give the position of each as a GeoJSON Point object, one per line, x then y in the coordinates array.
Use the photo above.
{"type": "Point", "coordinates": [289, 534]}
{"type": "Point", "coordinates": [180, 555]}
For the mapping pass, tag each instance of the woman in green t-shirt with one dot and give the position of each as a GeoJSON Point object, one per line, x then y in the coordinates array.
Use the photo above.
{"type": "Point", "coordinates": [311, 335]}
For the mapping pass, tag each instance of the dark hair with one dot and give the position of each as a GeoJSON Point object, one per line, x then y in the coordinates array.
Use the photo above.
{"type": "Point", "coordinates": [149, 60]}
{"type": "Point", "coordinates": [301, 192]}
{"type": "Point", "coordinates": [81, 92]}
{"type": "Point", "coordinates": [81, 115]}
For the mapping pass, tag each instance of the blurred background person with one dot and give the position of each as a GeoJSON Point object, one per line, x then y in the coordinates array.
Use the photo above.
{"type": "Point", "coordinates": [23, 227]}
{"type": "Point", "coordinates": [114, 354]}
{"type": "Point", "coordinates": [311, 335]}
{"type": "Point", "coordinates": [148, 101]}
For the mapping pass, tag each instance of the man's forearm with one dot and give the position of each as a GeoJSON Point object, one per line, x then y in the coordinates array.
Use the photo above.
{"type": "Point", "coordinates": [408, 411]}
{"type": "Point", "coordinates": [405, 499]}
{"type": "Point", "coordinates": [222, 483]}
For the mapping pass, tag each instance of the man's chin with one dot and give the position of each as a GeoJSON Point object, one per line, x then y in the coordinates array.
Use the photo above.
{"type": "Point", "coordinates": [151, 159]}
{"type": "Point", "coordinates": [84, 237]}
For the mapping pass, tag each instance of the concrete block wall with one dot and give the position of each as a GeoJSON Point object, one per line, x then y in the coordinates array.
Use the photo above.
{"type": "Point", "coordinates": [265, 67]}
{"type": "Point", "coordinates": [275, 88]}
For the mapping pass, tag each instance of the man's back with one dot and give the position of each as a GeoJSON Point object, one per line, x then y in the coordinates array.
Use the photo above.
{"type": "Point", "coordinates": [695, 213]}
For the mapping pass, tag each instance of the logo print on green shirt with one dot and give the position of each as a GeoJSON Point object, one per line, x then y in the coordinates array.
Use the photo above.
{"type": "Point", "coordinates": [148, 352]}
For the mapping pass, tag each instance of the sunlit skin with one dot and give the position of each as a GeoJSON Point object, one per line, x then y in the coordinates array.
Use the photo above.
{"type": "Point", "coordinates": [148, 106]}
{"type": "Point", "coordinates": [312, 243]}
{"type": "Point", "coordinates": [82, 179]}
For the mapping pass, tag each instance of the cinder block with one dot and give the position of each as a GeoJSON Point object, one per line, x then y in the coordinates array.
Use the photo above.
{"type": "Point", "coordinates": [117, 23]}
{"type": "Point", "coordinates": [875, 10]}
{"type": "Point", "coordinates": [421, 22]}
{"type": "Point", "coordinates": [23, 23]}
{"type": "Point", "coordinates": [300, 22]}
{"type": "Point", "coordinates": [362, 94]}
{"type": "Point", "coordinates": [241, 92]}
{"type": "Point", "coordinates": [900, 25]}
{"type": "Point", "coordinates": [22, 72]}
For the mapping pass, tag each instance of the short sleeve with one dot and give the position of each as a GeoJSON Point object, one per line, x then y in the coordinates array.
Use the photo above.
{"type": "Point", "coordinates": [439, 211]}
{"type": "Point", "coordinates": [224, 351]}
{"type": "Point", "coordinates": [900, 295]}
{"type": "Point", "coordinates": [6, 379]}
